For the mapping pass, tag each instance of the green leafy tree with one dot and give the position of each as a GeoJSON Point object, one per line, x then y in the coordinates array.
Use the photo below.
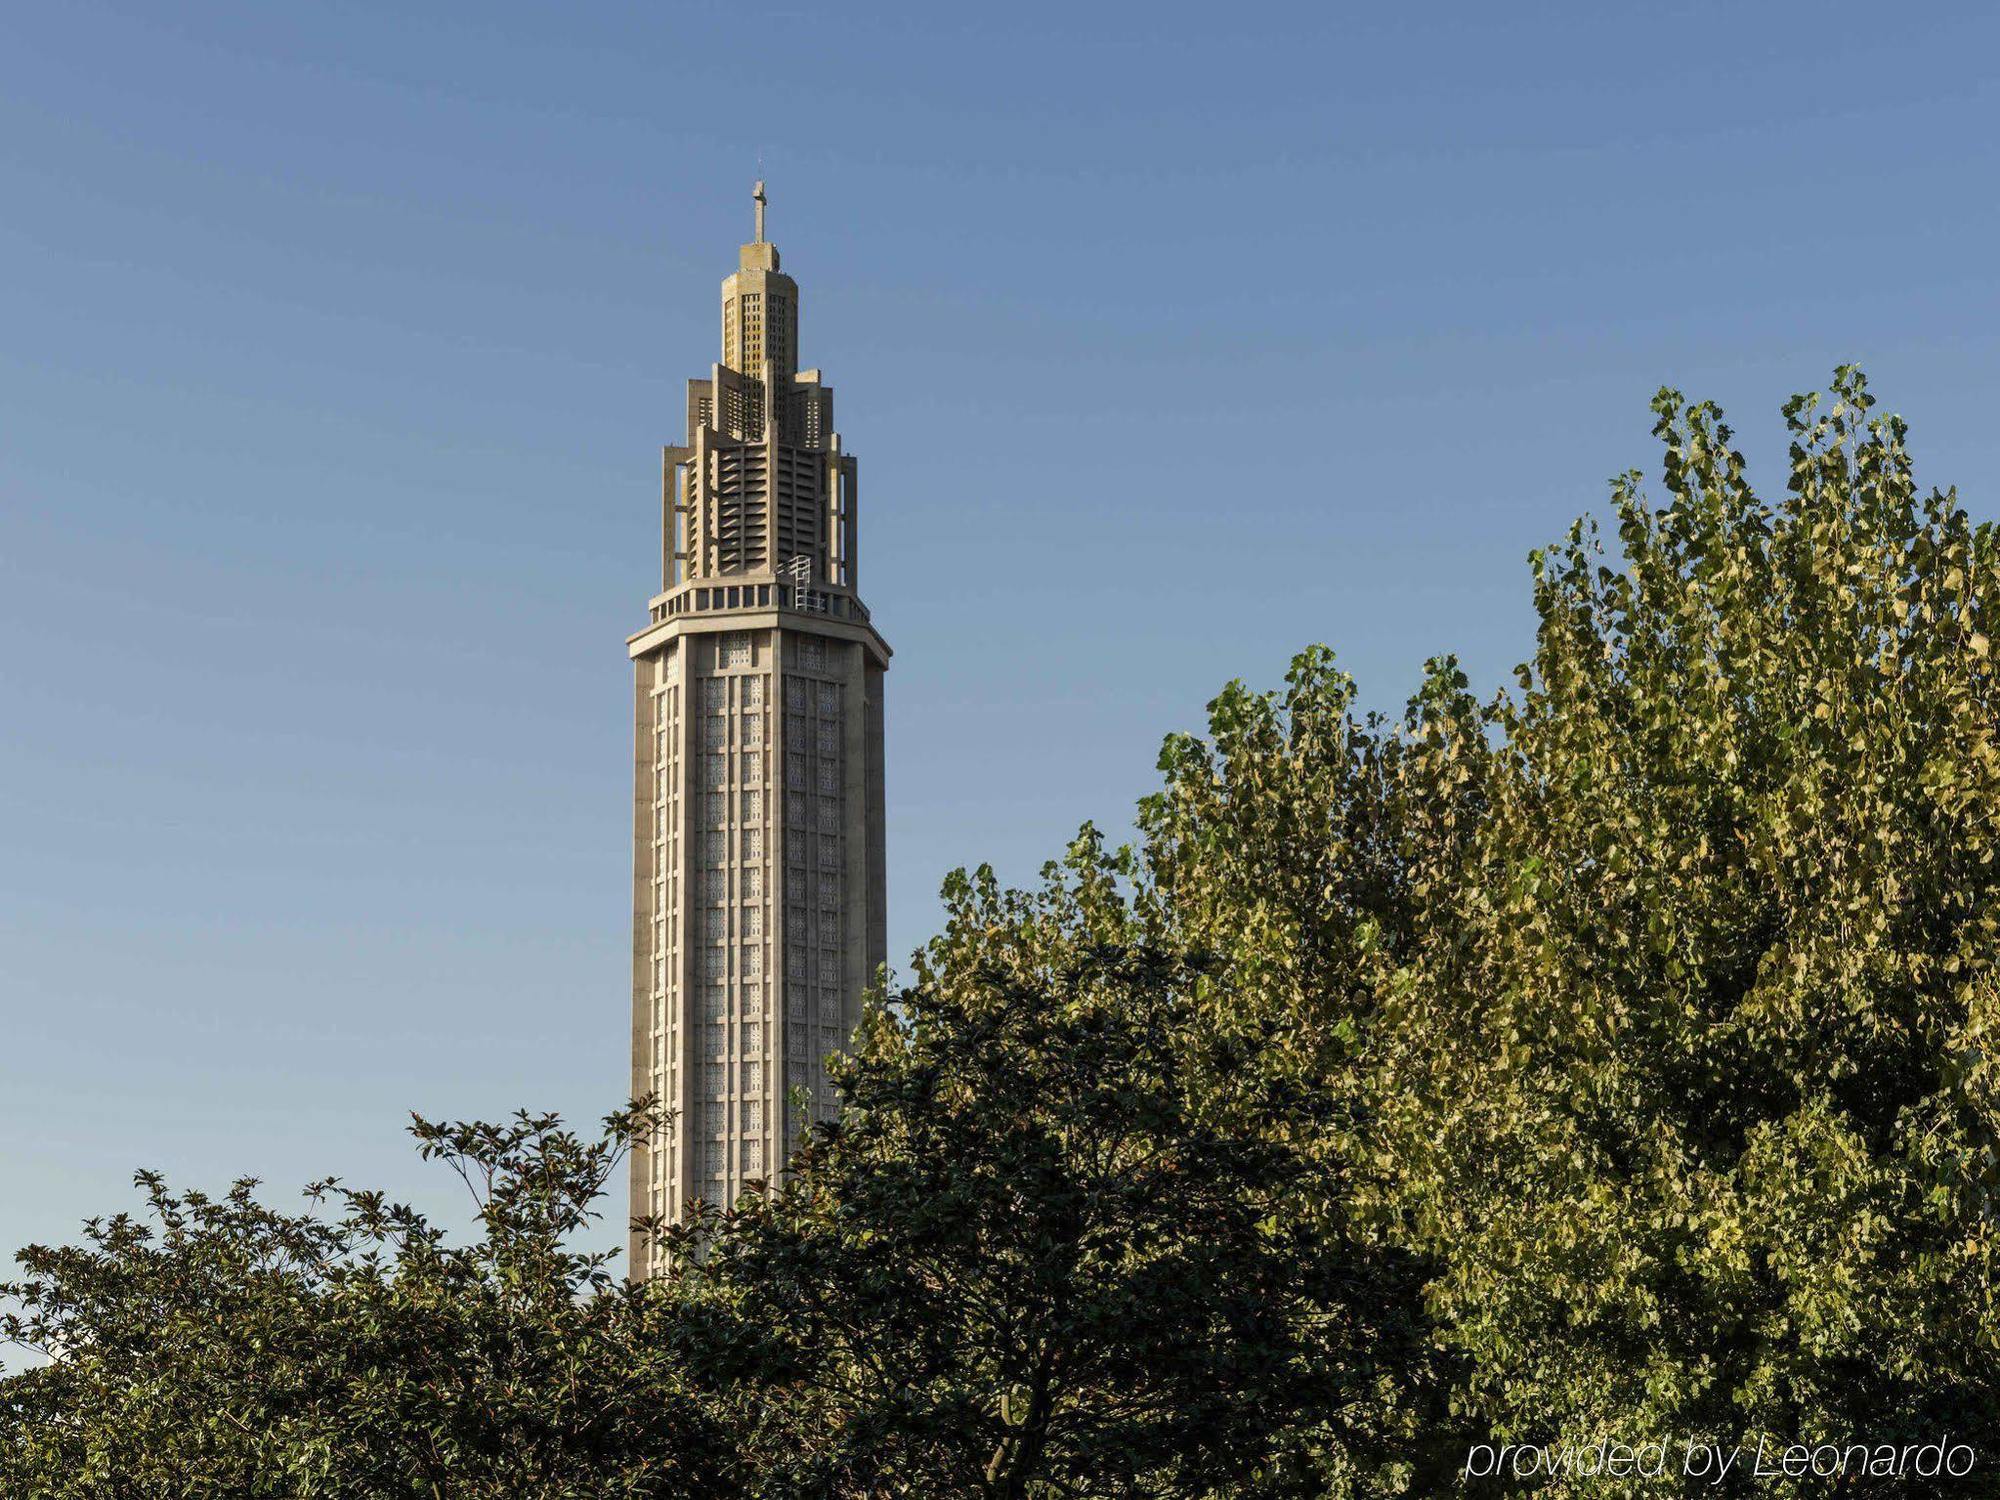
{"type": "Point", "coordinates": [216, 1346]}
{"type": "Point", "coordinates": [1033, 1258]}
{"type": "Point", "coordinates": [1671, 974]}
{"type": "Point", "coordinates": [1688, 1072]}
{"type": "Point", "coordinates": [1300, 848]}
{"type": "Point", "coordinates": [1615, 1057]}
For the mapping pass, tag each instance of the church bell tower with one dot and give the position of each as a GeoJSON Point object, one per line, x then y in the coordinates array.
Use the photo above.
{"type": "Point", "coordinates": [758, 878]}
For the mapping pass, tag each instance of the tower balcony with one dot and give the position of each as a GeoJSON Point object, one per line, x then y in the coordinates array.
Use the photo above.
{"type": "Point", "coordinates": [757, 592]}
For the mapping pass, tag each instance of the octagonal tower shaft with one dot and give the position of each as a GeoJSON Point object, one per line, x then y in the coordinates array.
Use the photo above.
{"type": "Point", "coordinates": [758, 879]}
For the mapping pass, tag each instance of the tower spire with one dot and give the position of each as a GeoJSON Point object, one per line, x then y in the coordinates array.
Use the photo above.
{"type": "Point", "coordinates": [759, 199]}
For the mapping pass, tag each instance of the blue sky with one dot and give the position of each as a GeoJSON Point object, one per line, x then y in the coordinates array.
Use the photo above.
{"type": "Point", "coordinates": [337, 345]}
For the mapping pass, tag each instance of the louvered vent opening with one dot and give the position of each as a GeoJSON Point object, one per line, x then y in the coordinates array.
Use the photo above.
{"type": "Point", "coordinates": [741, 488]}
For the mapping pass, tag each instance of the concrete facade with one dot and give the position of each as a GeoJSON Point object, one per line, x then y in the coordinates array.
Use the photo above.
{"type": "Point", "coordinates": [758, 877]}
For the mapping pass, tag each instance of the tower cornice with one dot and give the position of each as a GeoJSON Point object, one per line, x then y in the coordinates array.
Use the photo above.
{"type": "Point", "coordinates": [654, 636]}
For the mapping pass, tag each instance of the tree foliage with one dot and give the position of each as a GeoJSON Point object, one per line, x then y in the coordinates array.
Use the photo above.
{"type": "Point", "coordinates": [1684, 1070]}
{"type": "Point", "coordinates": [1669, 973]}
{"type": "Point", "coordinates": [1613, 1057]}
{"type": "Point", "coordinates": [216, 1346]}
{"type": "Point", "coordinates": [1033, 1258]}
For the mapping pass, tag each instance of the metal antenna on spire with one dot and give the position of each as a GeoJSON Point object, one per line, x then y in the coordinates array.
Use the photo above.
{"type": "Point", "coordinates": [759, 199]}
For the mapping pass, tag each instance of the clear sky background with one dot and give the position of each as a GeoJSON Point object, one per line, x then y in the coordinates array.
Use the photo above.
{"type": "Point", "coordinates": [338, 343]}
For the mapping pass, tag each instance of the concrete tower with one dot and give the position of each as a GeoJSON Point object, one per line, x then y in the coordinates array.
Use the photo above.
{"type": "Point", "coordinates": [758, 882]}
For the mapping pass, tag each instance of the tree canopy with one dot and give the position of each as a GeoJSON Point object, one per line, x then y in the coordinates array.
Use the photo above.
{"type": "Point", "coordinates": [1610, 1057]}
{"type": "Point", "coordinates": [216, 1346]}
{"type": "Point", "coordinates": [1668, 976]}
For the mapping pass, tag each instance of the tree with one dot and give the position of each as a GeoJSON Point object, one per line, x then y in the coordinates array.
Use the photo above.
{"type": "Point", "coordinates": [1672, 975]}
{"type": "Point", "coordinates": [1032, 1258]}
{"type": "Point", "coordinates": [1689, 1083]}
{"type": "Point", "coordinates": [1613, 1058]}
{"type": "Point", "coordinates": [1302, 849]}
{"type": "Point", "coordinates": [220, 1347]}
